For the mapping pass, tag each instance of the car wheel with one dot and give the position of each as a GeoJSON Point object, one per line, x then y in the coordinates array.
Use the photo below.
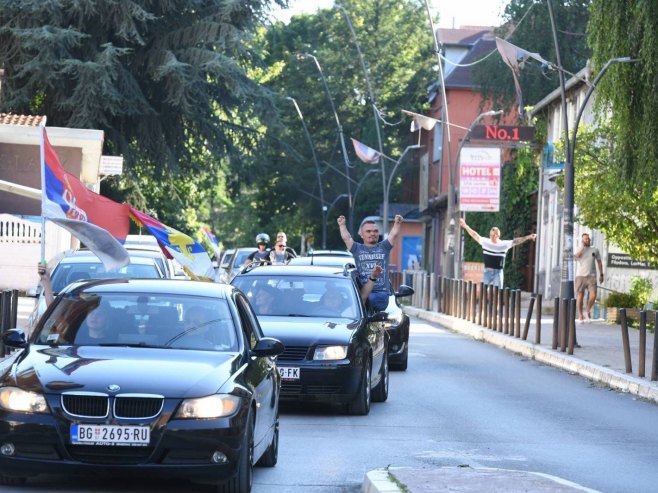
{"type": "Point", "coordinates": [242, 481]}
{"type": "Point", "coordinates": [402, 364]}
{"type": "Point", "coordinates": [380, 393]}
{"type": "Point", "coordinates": [12, 480]}
{"type": "Point", "coordinates": [271, 455]}
{"type": "Point", "coordinates": [360, 406]}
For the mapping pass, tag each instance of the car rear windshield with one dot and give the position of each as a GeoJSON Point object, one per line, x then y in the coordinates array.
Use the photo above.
{"type": "Point", "coordinates": [66, 273]}
{"type": "Point", "coordinates": [300, 296]}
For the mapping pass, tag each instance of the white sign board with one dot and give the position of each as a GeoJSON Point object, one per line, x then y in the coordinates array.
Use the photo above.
{"type": "Point", "coordinates": [111, 165]}
{"type": "Point", "coordinates": [479, 179]}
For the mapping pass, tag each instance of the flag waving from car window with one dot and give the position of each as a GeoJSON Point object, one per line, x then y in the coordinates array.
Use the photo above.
{"type": "Point", "coordinates": [98, 222]}
{"type": "Point", "coordinates": [366, 154]}
{"type": "Point", "coordinates": [188, 252]}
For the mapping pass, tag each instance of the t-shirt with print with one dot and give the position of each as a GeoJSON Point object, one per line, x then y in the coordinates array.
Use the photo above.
{"type": "Point", "coordinates": [366, 258]}
{"type": "Point", "coordinates": [494, 253]}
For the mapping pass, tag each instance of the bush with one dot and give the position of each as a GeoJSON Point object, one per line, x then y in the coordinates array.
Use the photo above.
{"type": "Point", "coordinates": [641, 289]}
{"type": "Point", "coordinates": [620, 300]}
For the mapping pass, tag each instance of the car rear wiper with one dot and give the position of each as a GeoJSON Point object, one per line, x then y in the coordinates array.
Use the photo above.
{"type": "Point", "coordinates": [297, 315]}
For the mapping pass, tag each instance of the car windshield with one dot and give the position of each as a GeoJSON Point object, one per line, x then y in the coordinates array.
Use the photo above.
{"type": "Point", "coordinates": [66, 273]}
{"type": "Point", "coordinates": [241, 256]}
{"type": "Point", "coordinates": [288, 296]}
{"type": "Point", "coordinates": [139, 319]}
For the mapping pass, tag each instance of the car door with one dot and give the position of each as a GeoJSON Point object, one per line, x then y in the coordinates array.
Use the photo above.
{"type": "Point", "coordinates": [262, 374]}
{"type": "Point", "coordinates": [378, 338]}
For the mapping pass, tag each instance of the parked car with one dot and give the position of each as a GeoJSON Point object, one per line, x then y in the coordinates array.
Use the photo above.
{"type": "Point", "coordinates": [330, 253]}
{"type": "Point", "coordinates": [74, 265]}
{"type": "Point", "coordinates": [235, 263]}
{"type": "Point", "coordinates": [194, 393]}
{"type": "Point", "coordinates": [334, 352]}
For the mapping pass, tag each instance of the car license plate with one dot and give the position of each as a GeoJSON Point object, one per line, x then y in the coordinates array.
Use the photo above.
{"type": "Point", "coordinates": [131, 436]}
{"type": "Point", "coordinates": [289, 373]}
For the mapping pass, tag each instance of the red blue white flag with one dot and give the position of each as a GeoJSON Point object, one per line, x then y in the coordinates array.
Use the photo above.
{"type": "Point", "coordinates": [189, 253]}
{"type": "Point", "coordinates": [98, 222]}
{"type": "Point", "coordinates": [366, 154]}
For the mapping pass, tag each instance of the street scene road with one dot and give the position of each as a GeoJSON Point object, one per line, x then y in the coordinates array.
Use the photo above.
{"type": "Point", "coordinates": [461, 403]}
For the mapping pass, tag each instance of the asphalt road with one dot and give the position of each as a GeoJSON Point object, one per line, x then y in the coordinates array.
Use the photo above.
{"type": "Point", "coordinates": [461, 402]}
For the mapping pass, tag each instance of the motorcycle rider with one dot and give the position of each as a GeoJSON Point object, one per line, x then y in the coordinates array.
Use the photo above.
{"type": "Point", "coordinates": [263, 253]}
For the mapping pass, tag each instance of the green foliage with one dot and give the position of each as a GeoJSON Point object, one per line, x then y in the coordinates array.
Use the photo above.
{"type": "Point", "coordinates": [620, 28]}
{"type": "Point", "coordinates": [637, 297]}
{"type": "Point", "coordinates": [620, 300]}
{"type": "Point", "coordinates": [528, 26]}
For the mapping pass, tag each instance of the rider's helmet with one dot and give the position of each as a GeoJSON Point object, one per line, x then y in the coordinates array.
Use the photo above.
{"type": "Point", "coordinates": [262, 238]}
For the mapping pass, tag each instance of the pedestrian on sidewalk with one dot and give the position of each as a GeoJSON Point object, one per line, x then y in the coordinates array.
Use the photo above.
{"type": "Point", "coordinates": [494, 251]}
{"type": "Point", "coordinates": [587, 258]}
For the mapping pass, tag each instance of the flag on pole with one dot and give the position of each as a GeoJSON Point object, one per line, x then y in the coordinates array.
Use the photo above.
{"type": "Point", "coordinates": [366, 154]}
{"type": "Point", "coordinates": [514, 57]}
{"type": "Point", "coordinates": [98, 222]}
{"type": "Point", "coordinates": [212, 239]}
{"type": "Point", "coordinates": [421, 121]}
{"type": "Point", "coordinates": [189, 253]}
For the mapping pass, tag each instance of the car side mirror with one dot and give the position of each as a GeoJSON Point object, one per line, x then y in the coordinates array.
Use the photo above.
{"type": "Point", "coordinates": [404, 291]}
{"type": "Point", "coordinates": [14, 338]}
{"type": "Point", "coordinates": [268, 346]}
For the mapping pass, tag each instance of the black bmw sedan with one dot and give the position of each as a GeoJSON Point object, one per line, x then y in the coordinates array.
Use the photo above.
{"type": "Point", "coordinates": [335, 351]}
{"type": "Point", "coordinates": [160, 377]}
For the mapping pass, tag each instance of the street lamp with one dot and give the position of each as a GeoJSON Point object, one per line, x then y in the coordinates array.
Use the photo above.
{"type": "Point", "coordinates": [340, 131]}
{"type": "Point", "coordinates": [325, 213]}
{"type": "Point", "coordinates": [387, 188]}
{"type": "Point", "coordinates": [358, 186]}
{"type": "Point", "coordinates": [317, 171]}
{"type": "Point", "coordinates": [452, 196]}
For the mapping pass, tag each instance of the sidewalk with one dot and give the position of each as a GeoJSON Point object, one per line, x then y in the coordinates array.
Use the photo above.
{"type": "Point", "coordinates": [600, 359]}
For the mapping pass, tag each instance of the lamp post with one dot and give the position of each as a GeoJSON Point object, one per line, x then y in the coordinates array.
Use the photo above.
{"type": "Point", "coordinates": [350, 212]}
{"type": "Point", "coordinates": [317, 171]}
{"type": "Point", "coordinates": [358, 186]}
{"type": "Point", "coordinates": [452, 197]}
{"type": "Point", "coordinates": [387, 188]}
{"type": "Point", "coordinates": [325, 213]}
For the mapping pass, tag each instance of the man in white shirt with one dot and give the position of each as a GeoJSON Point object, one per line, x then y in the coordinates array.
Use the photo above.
{"type": "Point", "coordinates": [587, 258]}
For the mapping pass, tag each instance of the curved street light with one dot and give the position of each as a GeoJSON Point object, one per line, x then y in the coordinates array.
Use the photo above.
{"type": "Point", "coordinates": [317, 171]}
{"type": "Point", "coordinates": [387, 184]}
{"type": "Point", "coordinates": [358, 187]}
{"type": "Point", "coordinates": [340, 131]}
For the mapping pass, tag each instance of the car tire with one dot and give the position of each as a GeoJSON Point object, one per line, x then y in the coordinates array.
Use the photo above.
{"type": "Point", "coordinates": [243, 479]}
{"type": "Point", "coordinates": [401, 365]}
{"type": "Point", "coordinates": [271, 455]}
{"type": "Point", "coordinates": [360, 406]}
{"type": "Point", "coordinates": [380, 393]}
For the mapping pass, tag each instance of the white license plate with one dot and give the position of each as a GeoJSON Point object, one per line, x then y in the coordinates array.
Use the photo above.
{"type": "Point", "coordinates": [289, 373]}
{"type": "Point", "coordinates": [135, 436]}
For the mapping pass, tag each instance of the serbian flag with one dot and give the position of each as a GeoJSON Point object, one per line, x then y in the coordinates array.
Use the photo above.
{"type": "Point", "coordinates": [189, 253]}
{"type": "Point", "coordinates": [212, 239]}
{"type": "Point", "coordinates": [366, 154]}
{"type": "Point", "coordinates": [98, 222]}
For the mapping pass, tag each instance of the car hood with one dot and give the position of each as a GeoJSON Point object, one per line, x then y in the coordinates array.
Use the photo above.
{"type": "Point", "coordinates": [297, 331]}
{"type": "Point", "coordinates": [170, 372]}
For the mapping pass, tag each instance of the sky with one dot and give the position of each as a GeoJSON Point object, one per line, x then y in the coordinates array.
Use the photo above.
{"type": "Point", "coordinates": [452, 13]}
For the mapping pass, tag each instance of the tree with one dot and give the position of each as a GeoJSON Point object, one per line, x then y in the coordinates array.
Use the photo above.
{"type": "Point", "coordinates": [395, 40]}
{"type": "Point", "coordinates": [167, 81]}
{"type": "Point", "coordinates": [628, 91]}
{"type": "Point", "coordinates": [625, 210]}
{"type": "Point", "coordinates": [527, 25]}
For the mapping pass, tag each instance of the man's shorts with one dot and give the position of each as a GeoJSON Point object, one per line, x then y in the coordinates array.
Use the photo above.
{"type": "Point", "coordinates": [493, 276]}
{"type": "Point", "coordinates": [586, 283]}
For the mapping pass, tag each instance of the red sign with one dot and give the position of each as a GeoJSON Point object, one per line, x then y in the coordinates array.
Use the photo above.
{"type": "Point", "coordinates": [511, 133]}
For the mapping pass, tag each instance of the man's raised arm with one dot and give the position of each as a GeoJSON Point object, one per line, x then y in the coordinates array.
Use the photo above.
{"type": "Point", "coordinates": [344, 234]}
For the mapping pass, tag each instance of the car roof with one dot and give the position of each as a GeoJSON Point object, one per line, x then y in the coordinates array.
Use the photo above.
{"type": "Point", "coordinates": [333, 253]}
{"type": "Point", "coordinates": [154, 286]}
{"type": "Point", "coordinates": [294, 270]}
{"type": "Point", "coordinates": [85, 257]}
{"type": "Point", "coordinates": [329, 260]}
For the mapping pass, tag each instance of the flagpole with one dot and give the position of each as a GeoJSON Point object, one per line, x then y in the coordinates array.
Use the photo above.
{"type": "Point", "coordinates": [42, 159]}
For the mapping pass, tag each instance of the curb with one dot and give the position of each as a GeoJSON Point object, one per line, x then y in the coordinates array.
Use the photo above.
{"type": "Point", "coordinates": [600, 374]}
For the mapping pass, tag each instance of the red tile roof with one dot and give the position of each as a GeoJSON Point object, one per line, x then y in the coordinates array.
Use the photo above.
{"type": "Point", "coordinates": [27, 120]}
